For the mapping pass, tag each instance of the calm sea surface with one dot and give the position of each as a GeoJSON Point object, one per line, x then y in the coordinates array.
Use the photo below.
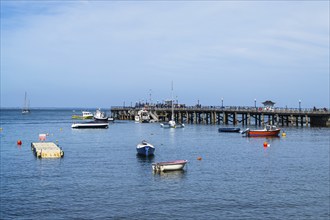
{"type": "Point", "coordinates": [101, 177]}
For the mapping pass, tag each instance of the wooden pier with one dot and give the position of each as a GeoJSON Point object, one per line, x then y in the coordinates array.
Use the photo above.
{"type": "Point", "coordinates": [244, 116]}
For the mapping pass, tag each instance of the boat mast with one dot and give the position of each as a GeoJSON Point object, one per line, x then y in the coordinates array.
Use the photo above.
{"type": "Point", "coordinates": [26, 107]}
{"type": "Point", "coordinates": [25, 102]}
{"type": "Point", "coordinates": [172, 116]}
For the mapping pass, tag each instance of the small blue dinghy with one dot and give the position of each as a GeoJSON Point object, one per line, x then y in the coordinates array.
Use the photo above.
{"type": "Point", "coordinates": [229, 129]}
{"type": "Point", "coordinates": [144, 148]}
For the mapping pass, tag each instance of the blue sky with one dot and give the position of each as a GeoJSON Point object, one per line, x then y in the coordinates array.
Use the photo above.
{"type": "Point", "coordinates": [104, 53]}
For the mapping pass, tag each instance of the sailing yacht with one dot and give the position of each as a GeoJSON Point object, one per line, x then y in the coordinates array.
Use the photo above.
{"type": "Point", "coordinates": [172, 123]}
{"type": "Point", "coordinates": [26, 107]}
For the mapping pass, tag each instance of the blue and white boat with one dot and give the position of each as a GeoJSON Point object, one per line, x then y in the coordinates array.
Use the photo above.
{"type": "Point", "coordinates": [145, 148]}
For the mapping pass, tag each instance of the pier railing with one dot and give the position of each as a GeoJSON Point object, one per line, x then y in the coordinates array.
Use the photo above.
{"type": "Point", "coordinates": [238, 109]}
{"type": "Point", "coordinates": [230, 114]}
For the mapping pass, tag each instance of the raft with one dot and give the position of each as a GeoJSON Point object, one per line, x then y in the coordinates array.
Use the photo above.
{"type": "Point", "coordinates": [46, 150]}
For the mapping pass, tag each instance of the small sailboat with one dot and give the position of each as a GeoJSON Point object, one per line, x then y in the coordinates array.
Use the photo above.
{"type": "Point", "coordinates": [172, 123]}
{"type": "Point", "coordinates": [26, 107]}
{"type": "Point", "coordinates": [144, 148]}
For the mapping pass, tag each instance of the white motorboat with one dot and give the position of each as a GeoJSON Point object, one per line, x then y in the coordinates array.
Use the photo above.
{"type": "Point", "coordinates": [169, 165]}
{"type": "Point", "coordinates": [144, 116]}
{"type": "Point", "coordinates": [90, 124]}
{"type": "Point", "coordinates": [100, 116]}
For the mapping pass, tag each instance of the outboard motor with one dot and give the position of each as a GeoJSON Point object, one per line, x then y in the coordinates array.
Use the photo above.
{"type": "Point", "coordinates": [246, 130]}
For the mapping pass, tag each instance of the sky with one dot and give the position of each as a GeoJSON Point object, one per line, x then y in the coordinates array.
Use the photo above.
{"type": "Point", "coordinates": [93, 54]}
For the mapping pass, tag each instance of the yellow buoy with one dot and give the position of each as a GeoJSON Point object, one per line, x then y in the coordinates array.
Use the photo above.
{"type": "Point", "coordinates": [283, 134]}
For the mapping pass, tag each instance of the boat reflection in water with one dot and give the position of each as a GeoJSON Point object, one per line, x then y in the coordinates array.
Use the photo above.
{"type": "Point", "coordinates": [144, 159]}
{"type": "Point", "coordinates": [173, 175]}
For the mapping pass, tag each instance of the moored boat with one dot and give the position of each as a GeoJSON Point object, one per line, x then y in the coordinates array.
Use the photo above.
{"type": "Point", "coordinates": [169, 165]}
{"type": "Point", "coordinates": [172, 123]}
{"type": "Point", "coordinates": [234, 129]}
{"type": "Point", "coordinates": [90, 124]}
{"type": "Point", "coordinates": [144, 116]}
{"type": "Point", "coordinates": [268, 131]}
{"type": "Point", "coordinates": [100, 116]}
{"type": "Point", "coordinates": [144, 148]}
{"type": "Point", "coordinates": [85, 115]}
{"type": "Point", "coordinates": [26, 107]}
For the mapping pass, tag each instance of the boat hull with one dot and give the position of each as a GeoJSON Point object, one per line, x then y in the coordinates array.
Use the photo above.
{"type": "Point", "coordinates": [85, 115]}
{"type": "Point", "coordinates": [90, 125]}
{"type": "Point", "coordinates": [169, 166]}
{"type": "Point", "coordinates": [229, 129]}
{"type": "Point", "coordinates": [81, 117]}
{"type": "Point", "coordinates": [24, 112]}
{"type": "Point", "coordinates": [146, 151]}
{"type": "Point", "coordinates": [263, 133]}
{"type": "Point", "coordinates": [171, 124]}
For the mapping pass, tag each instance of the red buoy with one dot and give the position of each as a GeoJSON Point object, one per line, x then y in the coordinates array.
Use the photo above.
{"type": "Point", "coordinates": [19, 142]}
{"type": "Point", "coordinates": [265, 144]}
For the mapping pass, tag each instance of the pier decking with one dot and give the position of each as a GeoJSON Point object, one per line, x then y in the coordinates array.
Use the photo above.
{"type": "Point", "coordinates": [46, 150]}
{"type": "Point", "coordinates": [231, 115]}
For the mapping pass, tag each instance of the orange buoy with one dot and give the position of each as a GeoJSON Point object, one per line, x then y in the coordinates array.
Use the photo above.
{"type": "Point", "coordinates": [265, 144]}
{"type": "Point", "coordinates": [199, 158]}
{"type": "Point", "coordinates": [19, 142]}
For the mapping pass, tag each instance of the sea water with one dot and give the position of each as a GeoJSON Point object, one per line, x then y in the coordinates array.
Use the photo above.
{"type": "Point", "coordinates": [101, 177]}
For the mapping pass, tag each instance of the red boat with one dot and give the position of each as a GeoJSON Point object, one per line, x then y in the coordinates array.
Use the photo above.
{"type": "Point", "coordinates": [268, 131]}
